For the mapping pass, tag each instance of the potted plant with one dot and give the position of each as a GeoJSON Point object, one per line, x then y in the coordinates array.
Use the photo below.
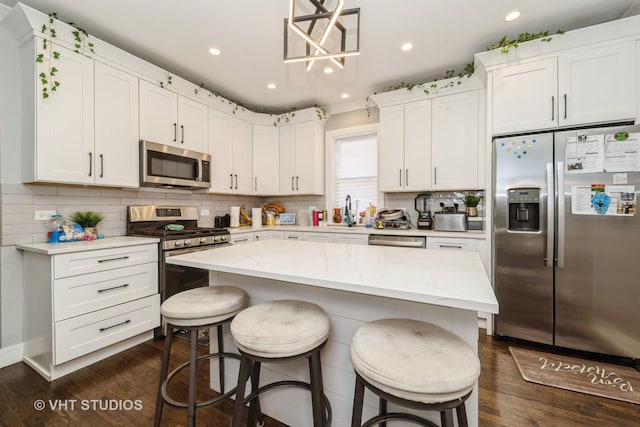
{"type": "Point", "coordinates": [471, 202]}
{"type": "Point", "coordinates": [88, 220]}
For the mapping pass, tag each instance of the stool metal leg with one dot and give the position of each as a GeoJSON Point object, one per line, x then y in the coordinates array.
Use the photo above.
{"type": "Point", "coordinates": [383, 410]}
{"type": "Point", "coordinates": [315, 377]}
{"type": "Point", "coordinates": [358, 401]}
{"type": "Point", "coordinates": [254, 405]}
{"type": "Point", "coordinates": [163, 375]}
{"type": "Point", "coordinates": [462, 415]}
{"type": "Point", "coordinates": [221, 359]}
{"type": "Point", "coordinates": [191, 411]}
{"type": "Point", "coordinates": [446, 418]}
{"type": "Point", "coordinates": [243, 376]}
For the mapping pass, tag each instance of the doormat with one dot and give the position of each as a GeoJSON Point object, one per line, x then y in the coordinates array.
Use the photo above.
{"type": "Point", "coordinates": [581, 375]}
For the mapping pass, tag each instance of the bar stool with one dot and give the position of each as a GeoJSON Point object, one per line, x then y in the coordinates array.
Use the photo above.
{"type": "Point", "coordinates": [195, 309]}
{"type": "Point", "coordinates": [413, 364]}
{"type": "Point", "coordinates": [280, 331]}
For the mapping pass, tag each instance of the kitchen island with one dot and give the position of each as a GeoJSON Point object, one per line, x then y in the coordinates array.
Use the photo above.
{"type": "Point", "coordinates": [354, 284]}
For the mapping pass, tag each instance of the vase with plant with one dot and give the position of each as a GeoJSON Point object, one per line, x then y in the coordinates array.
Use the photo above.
{"type": "Point", "coordinates": [88, 220]}
{"type": "Point", "coordinates": [471, 202]}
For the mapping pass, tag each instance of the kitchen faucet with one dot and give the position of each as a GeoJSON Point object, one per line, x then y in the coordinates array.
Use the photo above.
{"type": "Point", "coordinates": [347, 211]}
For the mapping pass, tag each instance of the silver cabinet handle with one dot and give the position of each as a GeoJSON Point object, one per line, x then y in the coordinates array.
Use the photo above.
{"type": "Point", "coordinates": [297, 182]}
{"type": "Point", "coordinates": [90, 163]}
{"type": "Point", "coordinates": [400, 175]}
{"type": "Point", "coordinates": [182, 129]}
{"type": "Point", "coordinates": [246, 239]}
{"type": "Point", "coordinates": [561, 204]}
{"type": "Point", "coordinates": [236, 177]}
{"type": "Point", "coordinates": [126, 285]}
{"type": "Point", "coordinates": [114, 259]}
{"type": "Point", "coordinates": [451, 246]}
{"type": "Point", "coordinates": [230, 181]}
{"type": "Point", "coordinates": [553, 108]}
{"type": "Point", "coordinates": [255, 183]}
{"type": "Point", "coordinates": [114, 326]}
{"type": "Point", "coordinates": [550, 220]}
{"type": "Point", "coordinates": [565, 105]}
{"type": "Point", "coordinates": [101, 166]}
{"type": "Point", "coordinates": [406, 177]}
{"type": "Point", "coordinates": [292, 187]}
{"type": "Point", "coordinates": [175, 132]}
{"type": "Point", "coordinates": [435, 175]}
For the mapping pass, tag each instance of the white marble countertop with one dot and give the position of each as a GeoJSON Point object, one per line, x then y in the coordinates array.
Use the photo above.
{"type": "Point", "coordinates": [360, 229]}
{"type": "Point", "coordinates": [447, 278]}
{"type": "Point", "coordinates": [85, 245]}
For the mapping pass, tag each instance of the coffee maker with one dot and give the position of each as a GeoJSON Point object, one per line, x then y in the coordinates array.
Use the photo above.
{"type": "Point", "coordinates": [423, 206]}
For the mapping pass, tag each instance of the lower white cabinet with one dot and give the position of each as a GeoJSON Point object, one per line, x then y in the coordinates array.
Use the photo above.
{"type": "Point", "coordinates": [80, 307]}
{"type": "Point", "coordinates": [452, 244]}
{"type": "Point", "coordinates": [268, 234]}
{"type": "Point", "coordinates": [331, 237]}
{"type": "Point", "coordinates": [240, 238]}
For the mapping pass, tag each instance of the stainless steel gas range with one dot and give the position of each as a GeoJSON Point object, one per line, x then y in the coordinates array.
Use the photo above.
{"type": "Point", "coordinates": [178, 231]}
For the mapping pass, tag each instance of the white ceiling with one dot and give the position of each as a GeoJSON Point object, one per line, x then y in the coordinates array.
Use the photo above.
{"type": "Point", "coordinates": [176, 35]}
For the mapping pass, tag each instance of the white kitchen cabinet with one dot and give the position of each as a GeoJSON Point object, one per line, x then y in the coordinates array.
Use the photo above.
{"type": "Point", "coordinates": [455, 141]}
{"type": "Point", "coordinates": [241, 238]}
{"type": "Point", "coordinates": [312, 236]}
{"type": "Point", "coordinates": [80, 307]}
{"type": "Point", "coordinates": [293, 235]}
{"type": "Point", "coordinates": [62, 149]}
{"type": "Point", "coordinates": [452, 244]}
{"type": "Point", "coordinates": [230, 146]}
{"type": "Point", "coordinates": [172, 119]}
{"type": "Point", "coordinates": [268, 234]}
{"type": "Point", "coordinates": [266, 158]}
{"type": "Point", "coordinates": [116, 127]}
{"type": "Point", "coordinates": [582, 87]}
{"type": "Point", "coordinates": [301, 158]}
{"type": "Point", "coordinates": [405, 147]}
{"type": "Point", "coordinates": [353, 239]}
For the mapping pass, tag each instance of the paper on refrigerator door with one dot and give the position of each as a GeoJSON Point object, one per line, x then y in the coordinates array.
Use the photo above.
{"type": "Point", "coordinates": [590, 200]}
{"type": "Point", "coordinates": [585, 153]}
{"type": "Point", "coordinates": [622, 152]}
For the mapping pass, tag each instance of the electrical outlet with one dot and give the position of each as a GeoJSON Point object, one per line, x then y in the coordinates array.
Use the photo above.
{"type": "Point", "coordinates": [204, 212]}
{"type": "Point", "coordinates": [44, 215]}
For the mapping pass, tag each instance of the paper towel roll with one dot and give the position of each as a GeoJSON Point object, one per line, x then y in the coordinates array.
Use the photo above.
{"type": "Point", "coordinates": [235, 216]}
{"type": "Point", "coordinates": [256, 218]}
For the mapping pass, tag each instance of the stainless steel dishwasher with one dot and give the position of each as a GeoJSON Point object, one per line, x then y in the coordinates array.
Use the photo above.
{"type": "Point", "coordinates": [398, 241]}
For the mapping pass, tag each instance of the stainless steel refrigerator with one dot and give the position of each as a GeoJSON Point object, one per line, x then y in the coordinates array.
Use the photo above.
{"type": "Point", "coordinates": [566, 239]}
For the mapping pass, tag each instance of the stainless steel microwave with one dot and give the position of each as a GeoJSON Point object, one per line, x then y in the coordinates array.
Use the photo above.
{"type": "Point", "coordinates": [166, 166]}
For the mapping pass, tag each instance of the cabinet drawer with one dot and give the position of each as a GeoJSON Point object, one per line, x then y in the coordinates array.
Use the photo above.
{"type": "Point", "coordinates": [353, 239]}
{"type": "Point", "coordinates": [76, 263]}
{"type": "Point", "coordinates": [90, 332]}
{"type": "Point", "coordinates": [447, 243]}
{"type": "Point", "coordinates": [73, 296]}
{"type": "Point", "coordinates": [292, 235]}
{"type": "Point", "coordinates": [316, 237]}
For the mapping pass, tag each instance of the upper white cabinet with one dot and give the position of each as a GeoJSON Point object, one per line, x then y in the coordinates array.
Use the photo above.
{"type": "Point", "coordinates": [266, 158]}
{"type": "Point", "coordinates": [455, 141]}
{"type": "Point", "coordinates": [302, 158]}
{"type": "Point", "coordinates": [116, 127]}
{"type": "Point", "coordinates": [230, 146]}
{"type": "Point", "coordinates": [63, 147]}
{"type": "Point", "coordinates": [168, 118]}
{"type": "Point", "coordinates": [87, 132]}
{"type": "Point", "coordinates": [587, 86]}
{"type": "Point", "coordinates": [405, 147]}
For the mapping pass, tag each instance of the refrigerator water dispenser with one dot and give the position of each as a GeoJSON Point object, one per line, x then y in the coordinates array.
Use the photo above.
{"type": "Point", "coordinates": [524, 209]}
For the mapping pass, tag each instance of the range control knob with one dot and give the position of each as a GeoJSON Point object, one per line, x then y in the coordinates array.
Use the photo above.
{"type": "Point", "coordinates": [177, 243]}
{"type": "Point", "coordinates": [203, 240]}
{"type": "Point", "coordinates": [187, 242]}
{"type": "Point", "coordinates": [224, 238]}
{"type": "Point", "coordinates": [216, 239]}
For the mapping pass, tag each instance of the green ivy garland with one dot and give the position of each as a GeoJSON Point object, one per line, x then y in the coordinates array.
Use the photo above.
{"type": "Point", "coordinates": [48, 77]}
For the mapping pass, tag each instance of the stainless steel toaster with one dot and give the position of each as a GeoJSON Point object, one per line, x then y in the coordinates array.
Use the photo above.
{"type": "Point", "coordinates": [449, 221]}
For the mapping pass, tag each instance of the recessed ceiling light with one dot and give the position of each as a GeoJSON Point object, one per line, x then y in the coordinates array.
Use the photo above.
{"type": "Point", "coordinates": [214, 51]}
{"type": "Point", "coordinates": [407, 46]}
{"type": "Point", "coordinates": [345, 95]}
{"type": "Point", "coordinates": [512, 15]}
{"type": "Point", "coordinates": [271, 85]}
{"type": "Point", "coordinates": [328, 70]}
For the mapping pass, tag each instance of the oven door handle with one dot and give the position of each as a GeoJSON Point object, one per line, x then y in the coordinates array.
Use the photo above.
{"type": "Point", "coordinates": [176, 252]}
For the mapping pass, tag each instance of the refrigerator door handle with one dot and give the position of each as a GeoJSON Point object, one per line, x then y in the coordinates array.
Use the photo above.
{"type": "Point", "coordinates": [550, 218]}
{"type": "Point", "coordinates": [561, 205]}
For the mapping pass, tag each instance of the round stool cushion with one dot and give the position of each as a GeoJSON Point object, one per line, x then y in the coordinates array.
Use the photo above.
{"type": "Point", "coordinates": [279, 329]}
{"type": "Point", "coordinates": [414, 360]}
{"type": "Point", "coordinates": [203, 306]}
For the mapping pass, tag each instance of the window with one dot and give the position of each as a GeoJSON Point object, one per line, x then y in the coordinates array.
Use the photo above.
{"type": "Point", "coordinates": [352, 168]}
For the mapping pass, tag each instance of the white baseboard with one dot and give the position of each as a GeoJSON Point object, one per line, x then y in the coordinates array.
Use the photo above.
{"type": "Point", "coordinates": [10, 355]}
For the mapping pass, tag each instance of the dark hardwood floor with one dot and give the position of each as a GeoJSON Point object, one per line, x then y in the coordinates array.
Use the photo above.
{"type": "Point", "coordinates": [123, 379]}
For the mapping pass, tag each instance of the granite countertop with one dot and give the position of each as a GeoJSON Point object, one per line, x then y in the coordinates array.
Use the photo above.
{"type": "Point", "coordinates": [360, 229]}
{"type": "Point", "coordinates": [447, 278]}
{"type": "Point", "coordinates": [85, 245]}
